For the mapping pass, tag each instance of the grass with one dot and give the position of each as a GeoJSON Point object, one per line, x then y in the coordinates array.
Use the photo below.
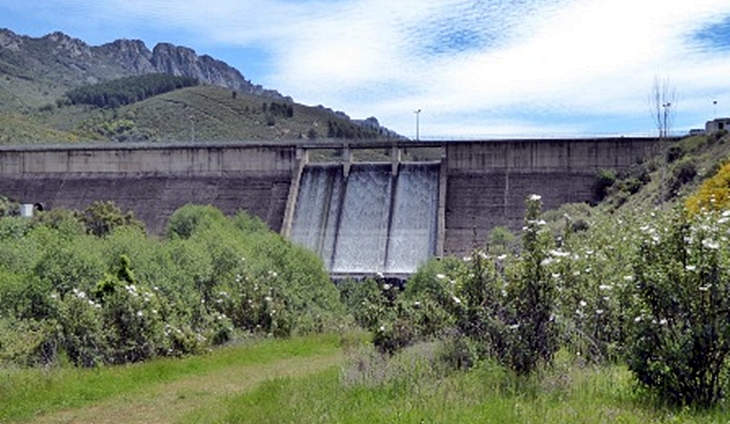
{"type": "Point", "coordinates": [307, 380]}
{"type": "Point", "coordinates": [29, 394]}
{"type": "Point", "coordinates": [488, 394]}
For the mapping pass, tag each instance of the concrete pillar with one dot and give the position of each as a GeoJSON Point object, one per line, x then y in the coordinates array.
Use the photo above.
{"type": "Point", "coordinates": [302, 158]}
{"type": "Point", "coordinates": [441, 216]}
{"type": "Point", "coordinates": [346, 159]}
{"type": "Point", "coordinates": [395, 158]}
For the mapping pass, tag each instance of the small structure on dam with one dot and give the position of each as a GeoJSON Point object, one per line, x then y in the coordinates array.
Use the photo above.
{"type": "Point", "coordinates": [361, 217]}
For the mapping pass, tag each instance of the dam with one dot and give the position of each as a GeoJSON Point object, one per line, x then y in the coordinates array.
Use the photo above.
{"type": "Point", "coordinates": [362, 217]}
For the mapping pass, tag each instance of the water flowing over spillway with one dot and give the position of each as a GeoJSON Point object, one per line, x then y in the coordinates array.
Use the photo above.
{"type": "Point", "coordinates": [370, 221]}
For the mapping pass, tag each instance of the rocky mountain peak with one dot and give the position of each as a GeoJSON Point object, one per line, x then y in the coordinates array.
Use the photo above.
{"type": "Point", "coordinates": [72, 46]}
{"type": "Point", "coordinates": [9, 40]}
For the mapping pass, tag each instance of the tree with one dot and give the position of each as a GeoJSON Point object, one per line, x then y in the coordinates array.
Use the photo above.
{"type": "Point", "coordinates": [101, 218]}
{"type": "Point", "coordinates": [663, 102]}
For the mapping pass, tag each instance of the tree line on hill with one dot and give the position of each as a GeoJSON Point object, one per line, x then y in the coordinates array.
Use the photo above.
{"type": "Point", "coordinates": [127, 90]}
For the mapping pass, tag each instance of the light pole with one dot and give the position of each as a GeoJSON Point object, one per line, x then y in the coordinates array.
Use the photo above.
{"type": "Point", "coordinates": [666, 107]}
{"type": "Point", "coordinates": [418, 113]}
{"type": "Point", "coordinates": [192, 128]}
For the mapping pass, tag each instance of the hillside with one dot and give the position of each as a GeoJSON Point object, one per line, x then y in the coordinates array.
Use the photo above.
{"type": "Point", "coordinates": [39, 75]}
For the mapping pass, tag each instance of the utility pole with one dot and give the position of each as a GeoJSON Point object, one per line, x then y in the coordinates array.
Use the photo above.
{"type": "Point", "coordinates": [418, 112]}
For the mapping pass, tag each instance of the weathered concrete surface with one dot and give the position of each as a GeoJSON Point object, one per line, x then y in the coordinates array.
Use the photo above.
{"type": "Point", "coordinates": [154, 180]}
{"type": "Point", "coordinates": [488, 182]}
{"type": "Point", "coordinates": [483, 183]}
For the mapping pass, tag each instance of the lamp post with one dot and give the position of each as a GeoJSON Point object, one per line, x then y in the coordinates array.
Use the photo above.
{"type": "Point", "coordinates": [192, 128]}
{"type": "Point", "coordinates": [666, 107]}
{"type": "Point", "coordinates": [418, 113]}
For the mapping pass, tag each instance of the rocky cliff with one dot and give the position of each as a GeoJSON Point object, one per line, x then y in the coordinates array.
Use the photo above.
{"type": "Point", "coordinates": [77, 63]}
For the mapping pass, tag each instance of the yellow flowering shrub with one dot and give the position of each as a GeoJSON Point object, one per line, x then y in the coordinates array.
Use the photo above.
{"type": "Point", "coordinates": [713, 194]}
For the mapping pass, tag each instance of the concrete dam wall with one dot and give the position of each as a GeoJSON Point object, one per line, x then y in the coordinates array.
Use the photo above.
{"type": "Point", "coordinates": [154, 180]}
{"type": "Point", "coordinates": [361, 218]}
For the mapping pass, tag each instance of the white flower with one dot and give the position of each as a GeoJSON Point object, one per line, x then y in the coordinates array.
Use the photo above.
{"type": "Point", "coordinates": [140, 313]}
{"type": "Point", "coordinates": [501, 257]}
{"type": "Point", "coordinates": [456, 300]}
{"type": "Point", "coordinates": [535, 197]}
{"type": "Point", "coordinates": [628, 278]}
{"type": "Point", "coordinates": [386, 287]}
{"type": "Point", "coordinates": [705, 288]}
{"type": "Point", "coordinates": [559, 253]}
{"type": "Point", "coordinates": [663, 321]}
{"type": "Point", "coordinates": [440, 276]}
{"type": "Point", "coordinates": [583, 303]}
{"type": "Point", "coordinates": [711, 244]}
{"type": "Point", "coordinates": [637, 319]}
{"type": "Point", "coordinates": [605, 287]}
{"type": "Point", "coordinates": [599, 311]}
{"type": "Point", "coordinates": [690, 267]}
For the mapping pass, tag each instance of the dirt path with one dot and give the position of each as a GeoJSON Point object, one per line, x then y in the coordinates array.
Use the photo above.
{"type": "Point", "coordinates": [169, 402]}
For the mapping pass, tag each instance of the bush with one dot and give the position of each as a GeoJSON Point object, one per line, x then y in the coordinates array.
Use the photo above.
{"type": "Point", "coordinates": [713, 194]}
{"type": "Point", "coordinates": [681, 333]}
{"type": "Point", "coordinates": [604, 181]}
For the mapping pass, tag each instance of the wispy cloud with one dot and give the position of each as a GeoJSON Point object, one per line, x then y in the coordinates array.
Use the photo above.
{"type": "Point", "coordinates": [475, 67]}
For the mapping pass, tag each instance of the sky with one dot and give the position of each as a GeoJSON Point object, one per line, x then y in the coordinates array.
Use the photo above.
{"type": "Point", "coordinates": [476, 69]}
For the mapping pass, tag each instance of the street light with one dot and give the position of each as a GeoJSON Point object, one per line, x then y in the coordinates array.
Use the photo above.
{"type": "Point", "coordinates": [666, 107]}
{"type": "Point", "coordinates": [192, 128]}
{"type": "Point", "coordinates": [418, 112]}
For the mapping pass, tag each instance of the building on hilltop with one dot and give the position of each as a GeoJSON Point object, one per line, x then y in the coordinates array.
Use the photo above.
{"type": "Point", "coordinates": [717, 124]}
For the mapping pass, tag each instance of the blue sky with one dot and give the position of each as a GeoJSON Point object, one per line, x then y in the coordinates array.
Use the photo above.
{"type": "Point", "coordinates": [476, 69]}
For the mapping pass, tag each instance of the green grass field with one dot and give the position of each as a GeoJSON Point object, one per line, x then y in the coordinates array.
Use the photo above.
{"type": "Point", "coordinates": [312, 380]}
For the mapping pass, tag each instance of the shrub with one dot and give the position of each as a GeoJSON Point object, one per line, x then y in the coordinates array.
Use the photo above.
{"type": "Point", "coordinates": [533, 295]}
{"type": "Point", "coordinates": [190, 218]}
{"type": "Point", "coordinates": [683, 172]}
{"type": "Point", "coordinates": [101, 218]}
{"type": "Point", "coordinates": [604, 181]}
{"type": "Point", "coordinates": [713, 194]}
{"type": "Point", "coordinates": [681, 333]}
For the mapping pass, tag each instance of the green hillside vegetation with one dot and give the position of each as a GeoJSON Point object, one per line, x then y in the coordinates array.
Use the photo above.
{"type": "Point", "coordinates": [125, 91]}
{"type": "Point", "coordinates": [201, 113]}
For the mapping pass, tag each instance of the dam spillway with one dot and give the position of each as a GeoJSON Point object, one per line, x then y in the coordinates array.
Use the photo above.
{"type": "Point", "coordinates": [369, 219]}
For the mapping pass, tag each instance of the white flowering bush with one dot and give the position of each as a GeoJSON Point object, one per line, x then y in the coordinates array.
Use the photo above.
{"type": "Point", "coordinates": [681, 327]}
{"type": "Point", "coordinates": [70, 297]}
{"type": "Point", "coordinates": [531, 297]}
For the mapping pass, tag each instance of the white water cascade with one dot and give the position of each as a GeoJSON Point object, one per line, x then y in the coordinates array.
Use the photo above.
{"type": "Point", "coordinates": [370, 221]}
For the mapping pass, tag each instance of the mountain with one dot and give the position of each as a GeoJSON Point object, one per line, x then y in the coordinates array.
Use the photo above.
{"type": "Point", "coordinates": [37, 73]}
{"type": "Point", "coordinates": [62, 62]}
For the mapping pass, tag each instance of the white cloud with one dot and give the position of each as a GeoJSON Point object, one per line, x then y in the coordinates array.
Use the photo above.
{"type": "Point", "coordinates": [474, 67]}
